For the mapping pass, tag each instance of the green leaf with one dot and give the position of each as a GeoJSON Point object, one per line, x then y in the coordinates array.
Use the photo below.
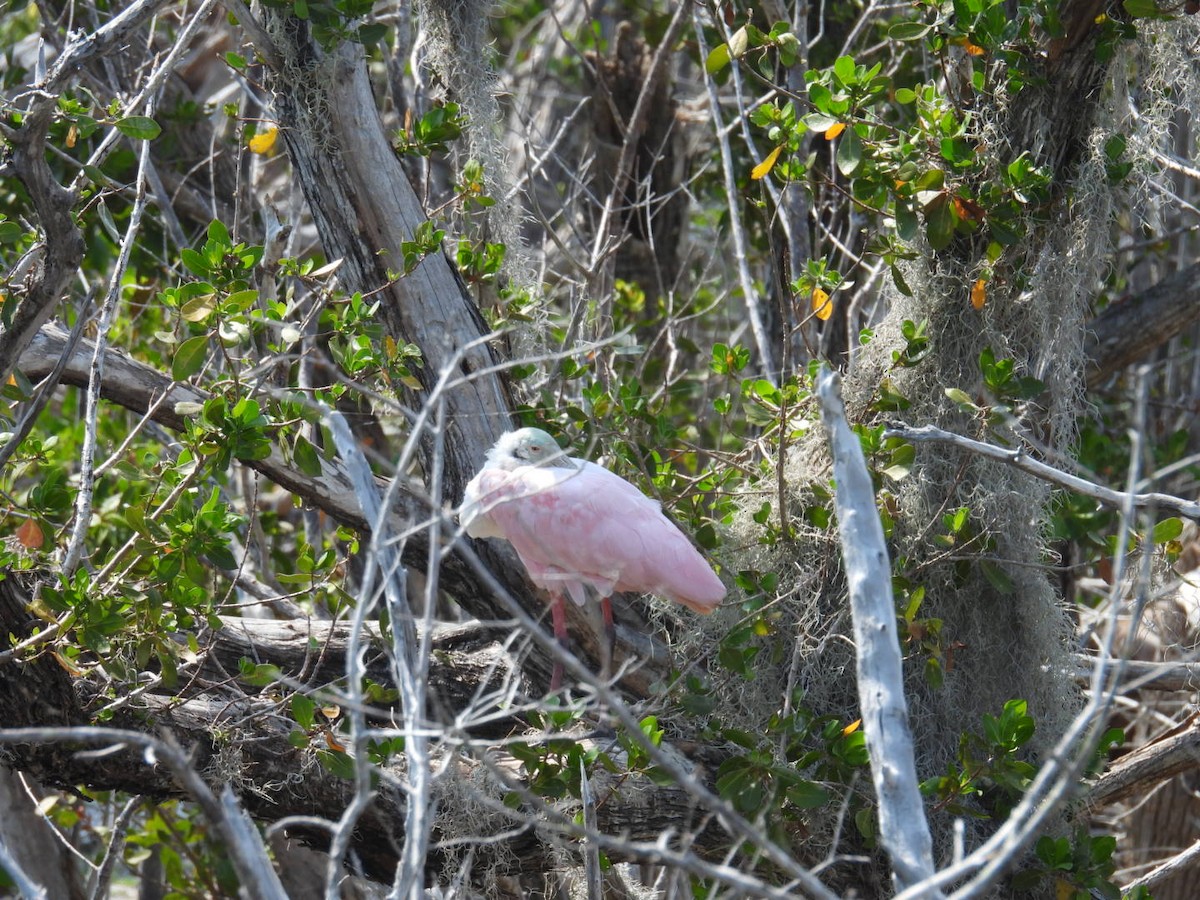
{"type": "Point", "coordinates": [843, 68]}
{"type": "Point", "coordinates": [303, 710]}
{"type": "Point", "coordinates": [909, 31]}
{"type": "Point", "coordinates": [940, 222]}
{"type": "Point", "coordinates": [196, 263]}
{"type": "Point", "coordinates": [141, 128]}
{"type": "Point", "coordinates": [198, 309]}
{"type": "Point", "coordinates": [219, 233]}
{"type": "Point", "coordinates": [1144, 9]}
{"type": "Point", "coordinates": [337, 763]}
{"type": "Point", "coordinates": [718, 59]}
{"type": "Point", "coordinates": [1166, 530]}
{"type": "Point", "coordinates": [189, 358]}
{"type": "Point", "coordinates": [807, 795]}
{"type": "Point", "coordinates": [997, 577]}
{"type": "Point", "coordinates": [905, 95]}
{"type": "Point", "coordinates": [849, 152]}
{"type": "Point", "coordinates": [306, 457]}
{"type": "Point", "coordinates": [10, 232]}
{"type": "Point", "coordinates": [235, 60]}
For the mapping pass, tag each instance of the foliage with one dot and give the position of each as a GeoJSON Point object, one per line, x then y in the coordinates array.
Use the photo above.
{"type": "Point", "coordinates": [887, 144]}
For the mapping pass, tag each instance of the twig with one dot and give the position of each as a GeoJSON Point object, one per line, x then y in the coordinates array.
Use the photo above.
{"type": "Point", "coordinates": [1026, 463]}
{"type": "Point", "coordinates": [1173, 866]}
{"type": "Point", "coordinates": [87, 473]}
{"type": "Point", "coordinates": [766, 359]}
{"type": "Point", "coordinates": [903, 829]}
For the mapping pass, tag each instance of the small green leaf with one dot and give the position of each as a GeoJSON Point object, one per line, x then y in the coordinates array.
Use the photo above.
{"type": "Point", "coordinates": [306, 457]}
{"type": "Point", "coordinates": [849, 152]}
{"type": "Point", "coordinates": [1144, 9]}
{"type": "Point", "coordinates": [718, 59]}
{"type": "Point", "coordinates": [997, 577]}
{"type": "Point", "coordinates": [141, 128]}
{"type": "Point", "coordinates": [189, 358]}
{"type": "Point", "coordinates": [10, 232]}
{"type": "Point", "coordinates": [909, 31]}
{"type": "Point", "coordinates": [303, 710]}
{"type": "Point", "coordinates": [235, 60]}
{"type": "Point", "coordinates": [198, 309]}
{"type": "Point", "coordinates": [939, 222]}
{"type": "Point", "coordinates": [1167, 530]}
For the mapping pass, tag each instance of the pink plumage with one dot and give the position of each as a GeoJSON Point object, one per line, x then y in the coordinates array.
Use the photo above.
{"type": "Point", "coordinates": [575, 524]}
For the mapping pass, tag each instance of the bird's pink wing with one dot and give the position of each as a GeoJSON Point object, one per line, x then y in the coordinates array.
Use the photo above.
{"type": "Point", "coordinates": [591, 525]}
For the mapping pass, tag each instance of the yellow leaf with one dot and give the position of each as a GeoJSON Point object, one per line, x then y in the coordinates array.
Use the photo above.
{"type": "Point", "coordinates": [821, 305]}
{"type": "Point", "coordinates": [331, 712]}
{"type": "Point", "coordinates": [851, 728]}
{"type": "Point", "coordinates": [264, 140]}
{"type": "Point", "coordinates": [834, 130]}
{"type": "Point", "coordinates": [30, 535]}
{"type": "Point", "coordinates": [764, 167]}
{"type": "Point", "coordinates": [72, 135]}
{"type": "Point", "coordinates": [974, 49]}
{"type": "Point", "coordinates": [979, 294]}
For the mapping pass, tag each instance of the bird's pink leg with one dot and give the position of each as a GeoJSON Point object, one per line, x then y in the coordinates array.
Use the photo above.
{"type": "Point", "coordinates": [610, 637]}
{"type": "Point", "coordinates": [558, 612]}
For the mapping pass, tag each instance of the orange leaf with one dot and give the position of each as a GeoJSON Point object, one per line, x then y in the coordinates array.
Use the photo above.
{"type": "Point", "coordinates": [333, 743]}
{"type": "Point", "coordinates": [834, 130]}
{"type": "Point", "coordinates": [979, 294]}
{"type": "Point", "coordinates": [264, 140]}
{"type": "Point", "coordinates": [30, 535]}
{"type": "Point", "coordinates": [974, 49]}
{"type": "Point", "coordinates": [852, 727]}
{"type": "Point", "coordinates": [821, 304]}
{"type": "Point", "coordinates": [764, 168]}
{"type": "Point", "coordinates": [968, 209]}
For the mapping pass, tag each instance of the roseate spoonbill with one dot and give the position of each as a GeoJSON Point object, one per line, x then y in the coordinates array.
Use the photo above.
{"type": "Point", "coordinates": [576, 525]}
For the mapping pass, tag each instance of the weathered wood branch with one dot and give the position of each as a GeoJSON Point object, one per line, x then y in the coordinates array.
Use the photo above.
{"type": "Point", "coordinates": [365, 209]}
{"type": "Point", "coordinates": [1156, 762]}
{"type": "Point", "coordinates": [244, 737]}
{"type": "Point", "coordinates": [1132, 328]}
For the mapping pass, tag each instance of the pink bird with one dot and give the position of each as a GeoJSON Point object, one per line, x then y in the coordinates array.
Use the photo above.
{"type": "Point", "coordinates": [576, 525]}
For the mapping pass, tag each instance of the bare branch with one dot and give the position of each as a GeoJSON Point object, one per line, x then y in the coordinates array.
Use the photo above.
{"type": "Point", "coordinates": [1021, 460]}
{"type": "Point", "coordinates": [903, 829]}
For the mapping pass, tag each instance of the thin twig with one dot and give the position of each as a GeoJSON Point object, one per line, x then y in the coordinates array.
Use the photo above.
{"type": "Point", "coordinates": [1021, 460]}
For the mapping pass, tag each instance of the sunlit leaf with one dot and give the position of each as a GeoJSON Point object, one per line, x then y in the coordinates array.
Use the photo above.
{"type": "Point", "coordinates": [1166, 530]}
{"type": "Point", "coordinates": [142, 128]}
{"type": "Point", "coordinates": [979, 294]}
{"type": "Point", "coordinates": [30, 535]}
{"type": "Point", "coordinates": [822, 306]}
{"type": "Point", "coordinates": [264, 140]}
{"type": "Point", "coordinates": [718, 58]}
{"type": "Point", "coordinates": [739, 43]}
{"type": "Point", "coordinates": [764, 167]}
{"type": "Point", "coordinates": [189, 358]}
